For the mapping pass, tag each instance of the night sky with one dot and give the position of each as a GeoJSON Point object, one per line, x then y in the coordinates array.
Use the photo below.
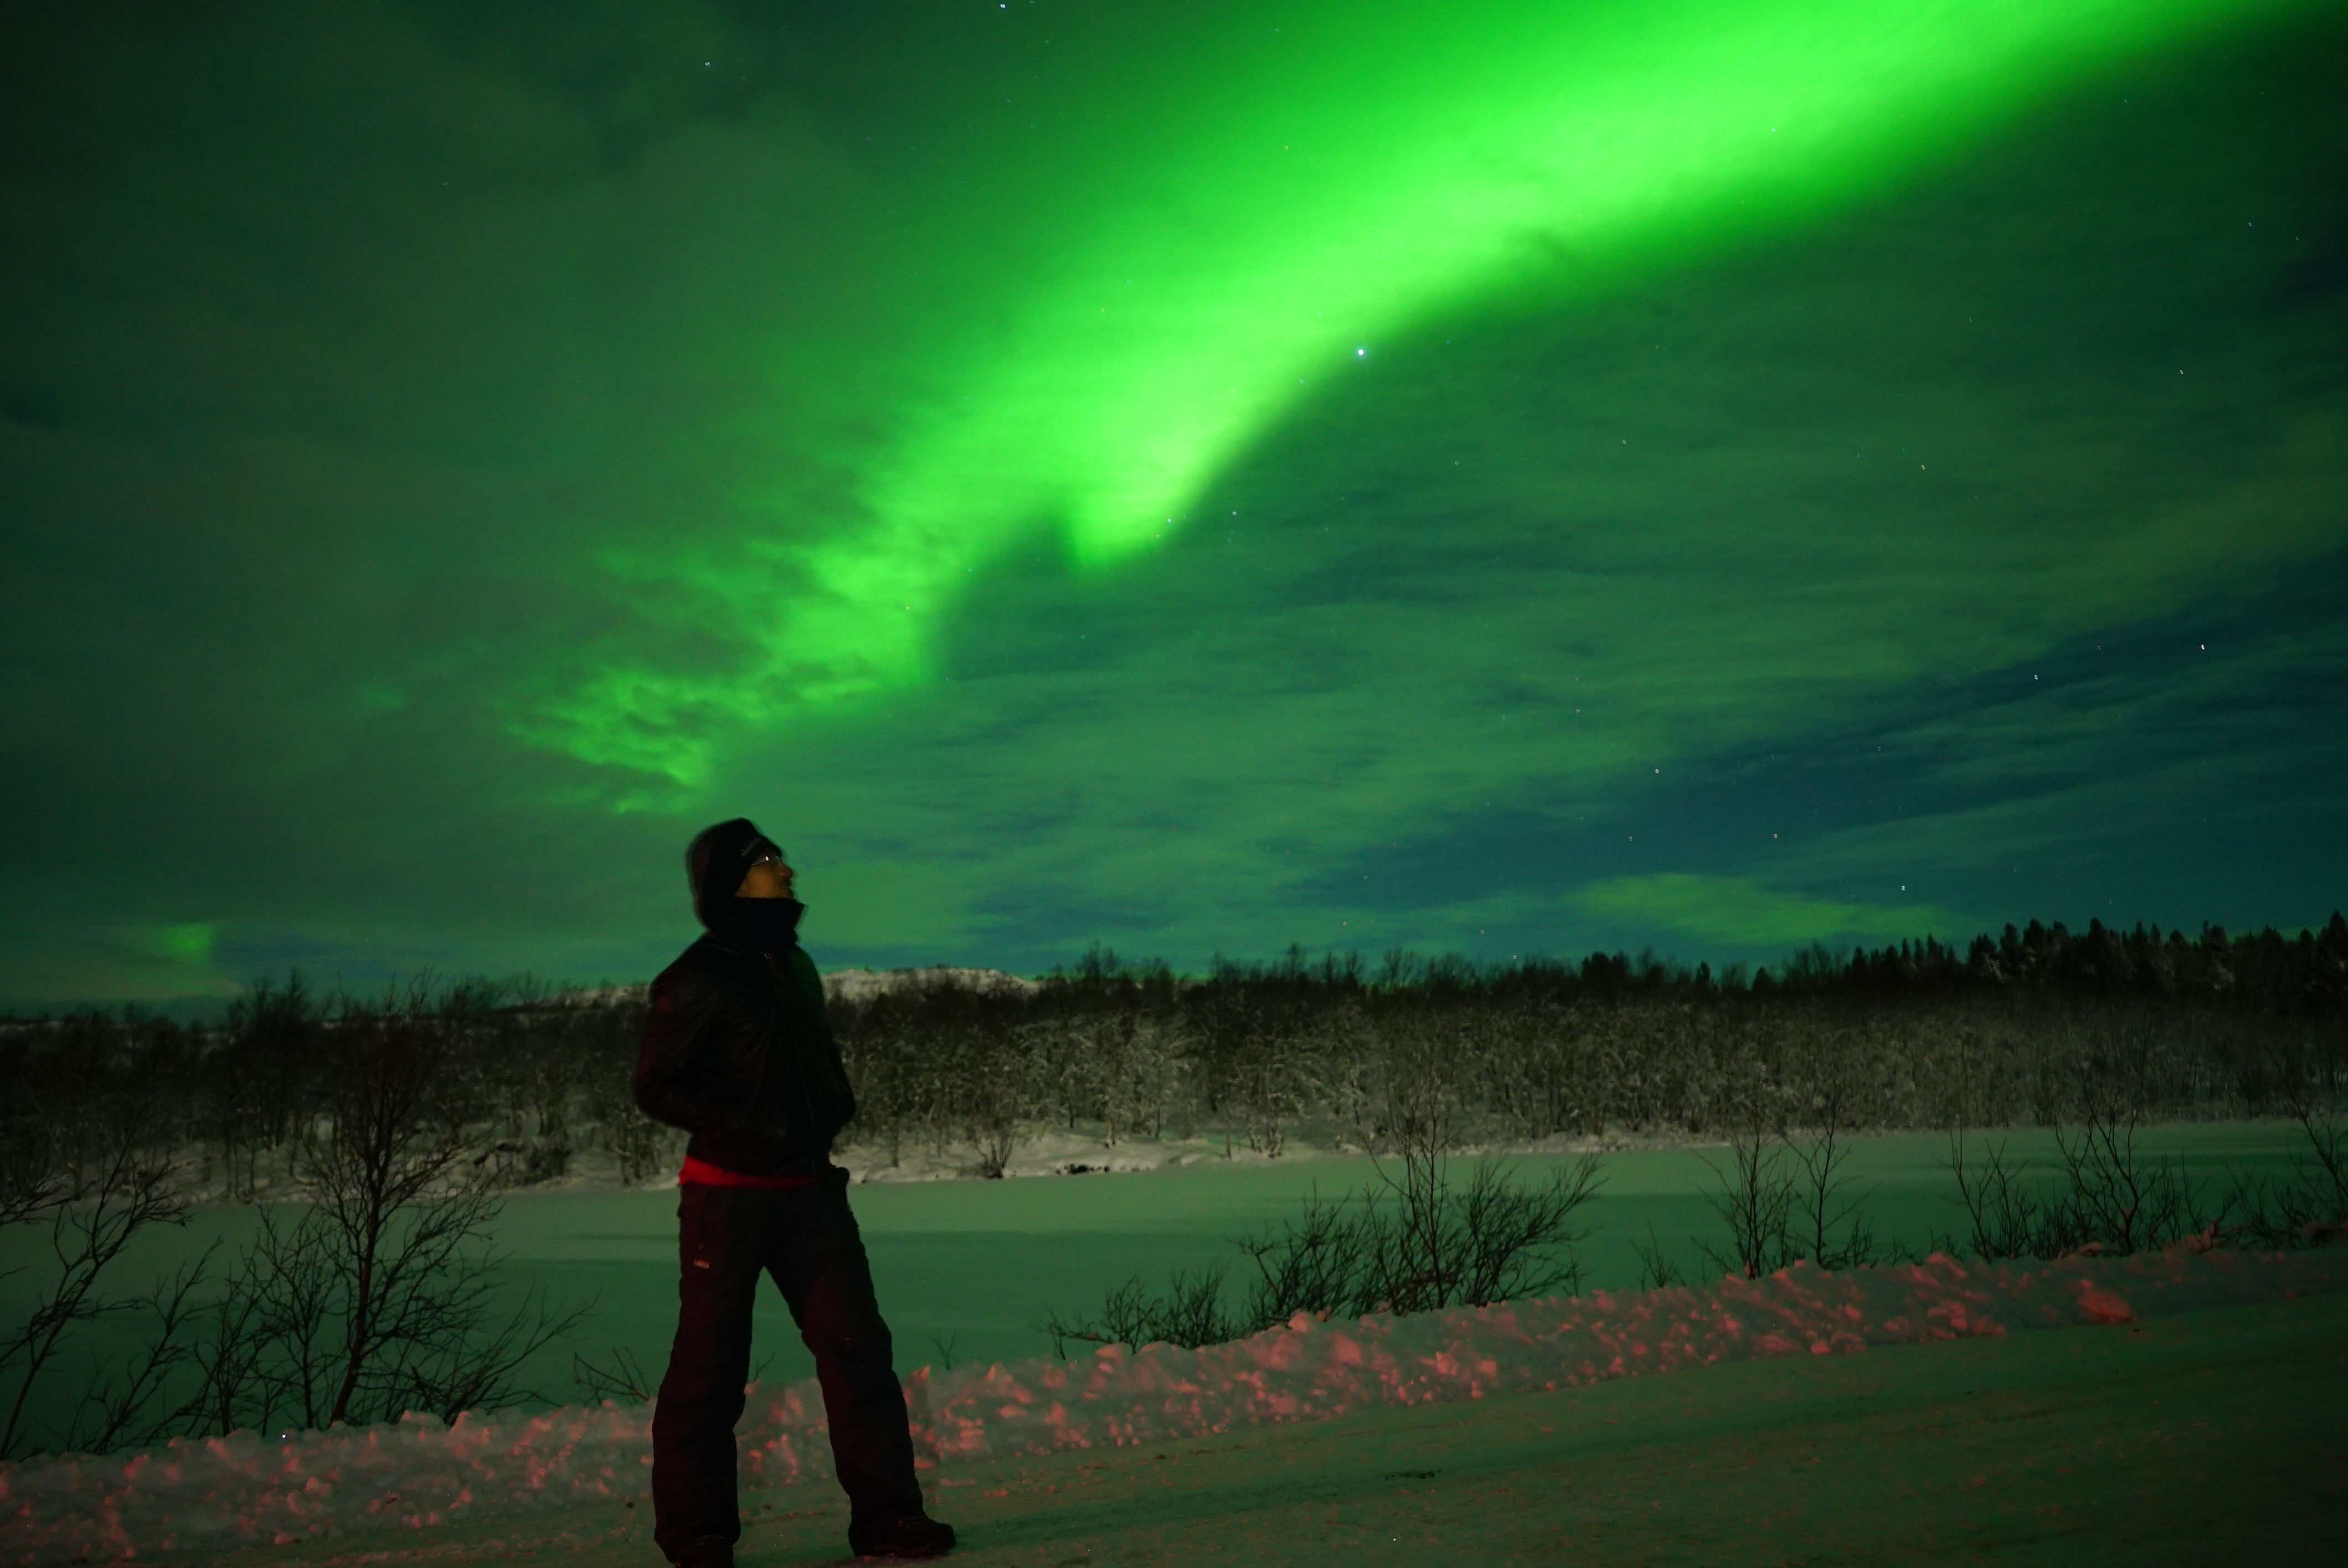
{"type": "Point", "coordinates": [1496, 478]}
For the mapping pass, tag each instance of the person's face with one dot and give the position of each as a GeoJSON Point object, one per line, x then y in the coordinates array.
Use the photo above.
{"type": "Point", "coordinates": [768, 879]}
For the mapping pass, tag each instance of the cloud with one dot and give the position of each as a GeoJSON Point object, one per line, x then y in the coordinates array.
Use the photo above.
{"type": "Point", "coordinates": [45, 966]}
{"type": "Point", "coordinates": [1743, 913]}
{"type": "Point", "coordinates": [447, 460]}
{"type": "Point", "coordinates": [1223, 246]}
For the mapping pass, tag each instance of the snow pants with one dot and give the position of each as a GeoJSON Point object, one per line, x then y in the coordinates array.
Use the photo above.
{"type": "Point", "coordinates": [806, 1238]}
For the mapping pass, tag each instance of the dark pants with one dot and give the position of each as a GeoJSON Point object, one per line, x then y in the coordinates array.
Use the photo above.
{"type": "Point", "coordinates": [806, 1238]}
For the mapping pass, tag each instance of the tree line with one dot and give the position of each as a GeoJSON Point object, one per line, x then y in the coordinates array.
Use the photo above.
{"type": "Point", "coordinates": [2024, 1026]}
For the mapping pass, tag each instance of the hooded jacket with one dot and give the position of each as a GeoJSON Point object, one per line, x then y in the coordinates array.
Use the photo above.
{"type": "Point", "coordinates": [738, 1050]}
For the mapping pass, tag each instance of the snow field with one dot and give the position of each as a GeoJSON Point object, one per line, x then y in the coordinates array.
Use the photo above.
{"type": "Point", "coordinates": [419, 1474]}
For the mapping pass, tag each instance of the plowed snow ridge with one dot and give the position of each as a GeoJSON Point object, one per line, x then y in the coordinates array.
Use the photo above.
{"type": "Point", "coordinates": [418, 1473]}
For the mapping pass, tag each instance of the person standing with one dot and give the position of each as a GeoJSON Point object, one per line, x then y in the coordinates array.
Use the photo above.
{"type": "Point", "coordinates": [738, 1052]}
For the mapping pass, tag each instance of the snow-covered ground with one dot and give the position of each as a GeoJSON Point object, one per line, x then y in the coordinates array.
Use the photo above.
{"type": "Point", "coordinates": [964, 1267]}
{"type": "Point", "coordinates": [418, 1476]}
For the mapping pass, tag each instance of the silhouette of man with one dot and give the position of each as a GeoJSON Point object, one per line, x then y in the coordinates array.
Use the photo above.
{"type": "Point", "coordinates": [738, 1052]}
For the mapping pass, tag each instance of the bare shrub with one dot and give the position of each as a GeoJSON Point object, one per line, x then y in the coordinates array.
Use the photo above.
{"type": "Point", "coordinates": [2310, 1208]}
{"type": "Point", "coordinates": [1657, 1271]}
{"type": "Point", "coordinates": [624, 1379]}
{"type": "Point", "coordinates": [2322, 1166]}
{"type": "Point", "coordinates": [2103, 1195]}
{"type": "Point", "coordinates": [1190, 1314]}
{"type": "Point", "coordinates": [1788, 1196]}
{"type": "Point", "coordinates": [2005, 1213]}
{"type": "Point", "coordinates": [1416, 1243]}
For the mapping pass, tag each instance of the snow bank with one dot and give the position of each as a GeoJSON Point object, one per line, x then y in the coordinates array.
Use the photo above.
{"type": "Point", "coordinates": [418, 1473]}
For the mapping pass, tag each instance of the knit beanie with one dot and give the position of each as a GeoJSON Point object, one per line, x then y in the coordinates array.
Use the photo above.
{"type": "Point", "coordinates": [718, 860]}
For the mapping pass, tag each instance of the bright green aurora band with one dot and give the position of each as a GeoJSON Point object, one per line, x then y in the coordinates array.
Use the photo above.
{"type": "Point", "coordinates": [1417, 159]}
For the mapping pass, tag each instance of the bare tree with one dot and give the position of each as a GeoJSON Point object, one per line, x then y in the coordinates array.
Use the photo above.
{"type": "Point", "coordinates": [115, 1184]}
{"type": "Point", "coordinates": [376, 1297]}
{"type": "Point", "coordinates": [1755, 1199]}
{"type": "Point", "coordinates": [1826, 1221]}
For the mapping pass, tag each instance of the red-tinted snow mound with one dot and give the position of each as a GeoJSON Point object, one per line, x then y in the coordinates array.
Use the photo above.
{"type": "Point", "coordinates": [418, 1474]}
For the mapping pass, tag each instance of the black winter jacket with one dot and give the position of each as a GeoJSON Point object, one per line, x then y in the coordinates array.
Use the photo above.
{"type": "Point", "coordinates": [738, 1052]}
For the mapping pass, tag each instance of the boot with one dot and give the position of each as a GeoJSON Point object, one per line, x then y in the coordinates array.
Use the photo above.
{"type": "Point", "coordinates": [709, 1552]}
{"type": "Point", "coordinates": [908, 1538]}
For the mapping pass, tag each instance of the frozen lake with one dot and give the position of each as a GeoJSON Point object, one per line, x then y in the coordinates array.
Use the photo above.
{"type": "Point", "coordinates": [973, 1264]}
{"type": "Point", "coordinates": [964, 1267]}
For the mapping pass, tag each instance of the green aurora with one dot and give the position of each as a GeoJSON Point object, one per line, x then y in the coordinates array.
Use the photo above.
{"type": "Point", "coordinates": [1505, 478]}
